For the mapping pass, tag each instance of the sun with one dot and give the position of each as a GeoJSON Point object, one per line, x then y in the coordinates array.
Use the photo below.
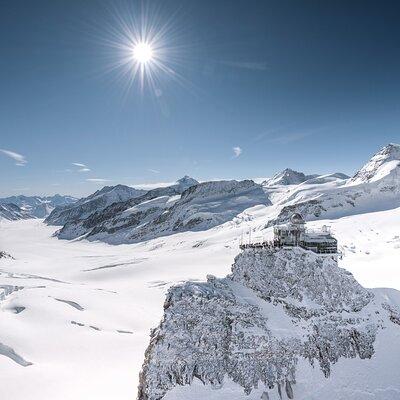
{"type": "Point", "coordinates": [145, 47]}
{"type": "Point", "coordinates": [142, 53]}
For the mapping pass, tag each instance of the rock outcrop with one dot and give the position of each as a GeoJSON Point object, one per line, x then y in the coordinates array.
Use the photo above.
{"type": "Point", "coordinates": [277, 309]}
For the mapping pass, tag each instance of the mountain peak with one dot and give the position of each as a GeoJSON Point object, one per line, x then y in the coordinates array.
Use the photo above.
{"type": "Point", "coordinates": [185, 183]}
{"type": "Point", "coordinates": [187, 179]}
{"type": "Point", "coordinates": [380, 165]}
{"type": "Point", "coordinates": [391, 149]}
{"type": "Point", "coordinates": [287, 177]}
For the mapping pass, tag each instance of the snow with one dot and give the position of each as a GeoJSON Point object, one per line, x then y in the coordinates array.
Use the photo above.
{"type": "Point", "coordinates": [81, 312]}
{"type": "Point", "coordinates": [283, 306]}
{"type": "Point", "coordinates": [127, 293]}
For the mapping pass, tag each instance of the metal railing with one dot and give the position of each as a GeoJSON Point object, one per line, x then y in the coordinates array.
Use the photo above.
{"type": "Point", "coordinates": [272, 245]}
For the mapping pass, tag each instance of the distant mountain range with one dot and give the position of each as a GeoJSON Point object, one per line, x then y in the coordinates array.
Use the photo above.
{"type": "Point", "coordinates": [120, 214]}
{"type": "Point", "coordinates": [23, 207]}
{"type": "Point", "coordinates": [123, 214]}
{"type": "Point", "coordinates": [164, 211]}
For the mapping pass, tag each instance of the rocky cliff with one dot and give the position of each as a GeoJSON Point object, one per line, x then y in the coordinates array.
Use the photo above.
{"type": "Point", "coordinates": [260, 327]}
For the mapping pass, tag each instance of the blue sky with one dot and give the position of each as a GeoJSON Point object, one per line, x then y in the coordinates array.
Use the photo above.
{"type": "Point", "coordinates": [310, 85]}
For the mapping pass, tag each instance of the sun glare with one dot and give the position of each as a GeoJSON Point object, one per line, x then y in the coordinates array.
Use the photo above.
{"type": "Point", "coordinates": [146, 48]}
{"type": "Point", "coordinates": [143, 53]}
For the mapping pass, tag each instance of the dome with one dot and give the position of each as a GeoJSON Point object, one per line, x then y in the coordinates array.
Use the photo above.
{"type": "Point", "coordinates": [296, 218]}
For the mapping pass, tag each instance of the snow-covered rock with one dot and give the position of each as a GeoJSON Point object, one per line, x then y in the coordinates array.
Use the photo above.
{"type": "Point", "coordinates": [280, 316]}
{"type": "Point", "coordinates": [12, 212]}
{"type": "Point", "coordinates": [3, 254]}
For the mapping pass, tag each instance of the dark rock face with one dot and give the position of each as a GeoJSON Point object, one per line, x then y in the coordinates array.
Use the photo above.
{"type": "Point", "coordinates": [227, 328]}
{"type": "Point", "coordinates": [3, 254]}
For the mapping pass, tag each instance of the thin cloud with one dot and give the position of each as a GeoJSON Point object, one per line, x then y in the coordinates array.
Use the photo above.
{"type": "Point", "coordinates": [285, 135]}
{"type": "Point", "coordinates": [237, 151]}
{"type": "Point", "coordinates": [273, 132]}
{"type": "Point", "coordinates": [81, 167]}
{"type": "Point", "coordinates": [154, 171]}
{"type": "Point", "coordinates": [97, 180]}
{"type": "Point", "coordinates": [19, 159]}
{"type": "Point", "coordinates": [253, 66]}
{"type": "Point", "coordinates": [289, 138]}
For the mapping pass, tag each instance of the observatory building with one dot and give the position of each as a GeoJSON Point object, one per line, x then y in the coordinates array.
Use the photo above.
{"type": "Point", "coordinates": [295, 234]}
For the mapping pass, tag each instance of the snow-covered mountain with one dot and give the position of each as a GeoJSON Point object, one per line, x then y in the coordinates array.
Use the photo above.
{"type": "Point", "coordinates": [376, 186]}
{"type": "Point", "coordinates": [383, 165]}
{"type": "Point", "coordinates": [12, 212]}
{"type": "Point", "coordinates": [288, 177]}
{"type": "Point", "coordinates": [275, 329]}
{"type": "Point", "coordinates": [97, 201]}
{"type": "Point", "coordinates": [123, 215]}
{"type": "Point", "coordinates": [38, 206]}
{"type": "Point", "coordinates": [165, 211]}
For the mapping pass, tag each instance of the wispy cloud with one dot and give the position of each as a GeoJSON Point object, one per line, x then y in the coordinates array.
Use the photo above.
{"type": "Point", "coordinates": [154, 171]}
{"type": "Point", "coordinates": [97, 180]}
{"type": "Point", "coordinates": [237, 151]}
{"type": "Point", "coordinates": [81, 167]}
{"type": "Point", "coordinates": [273, 132]}
{"type": "Point", "coordinates": [287, 134]}
{"type": "Point", "coordinates": [253, 66]}
{"type": "Point", "coordinates": [19, 159]}
{"type": "Point", "coordinates": [289, 138]}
